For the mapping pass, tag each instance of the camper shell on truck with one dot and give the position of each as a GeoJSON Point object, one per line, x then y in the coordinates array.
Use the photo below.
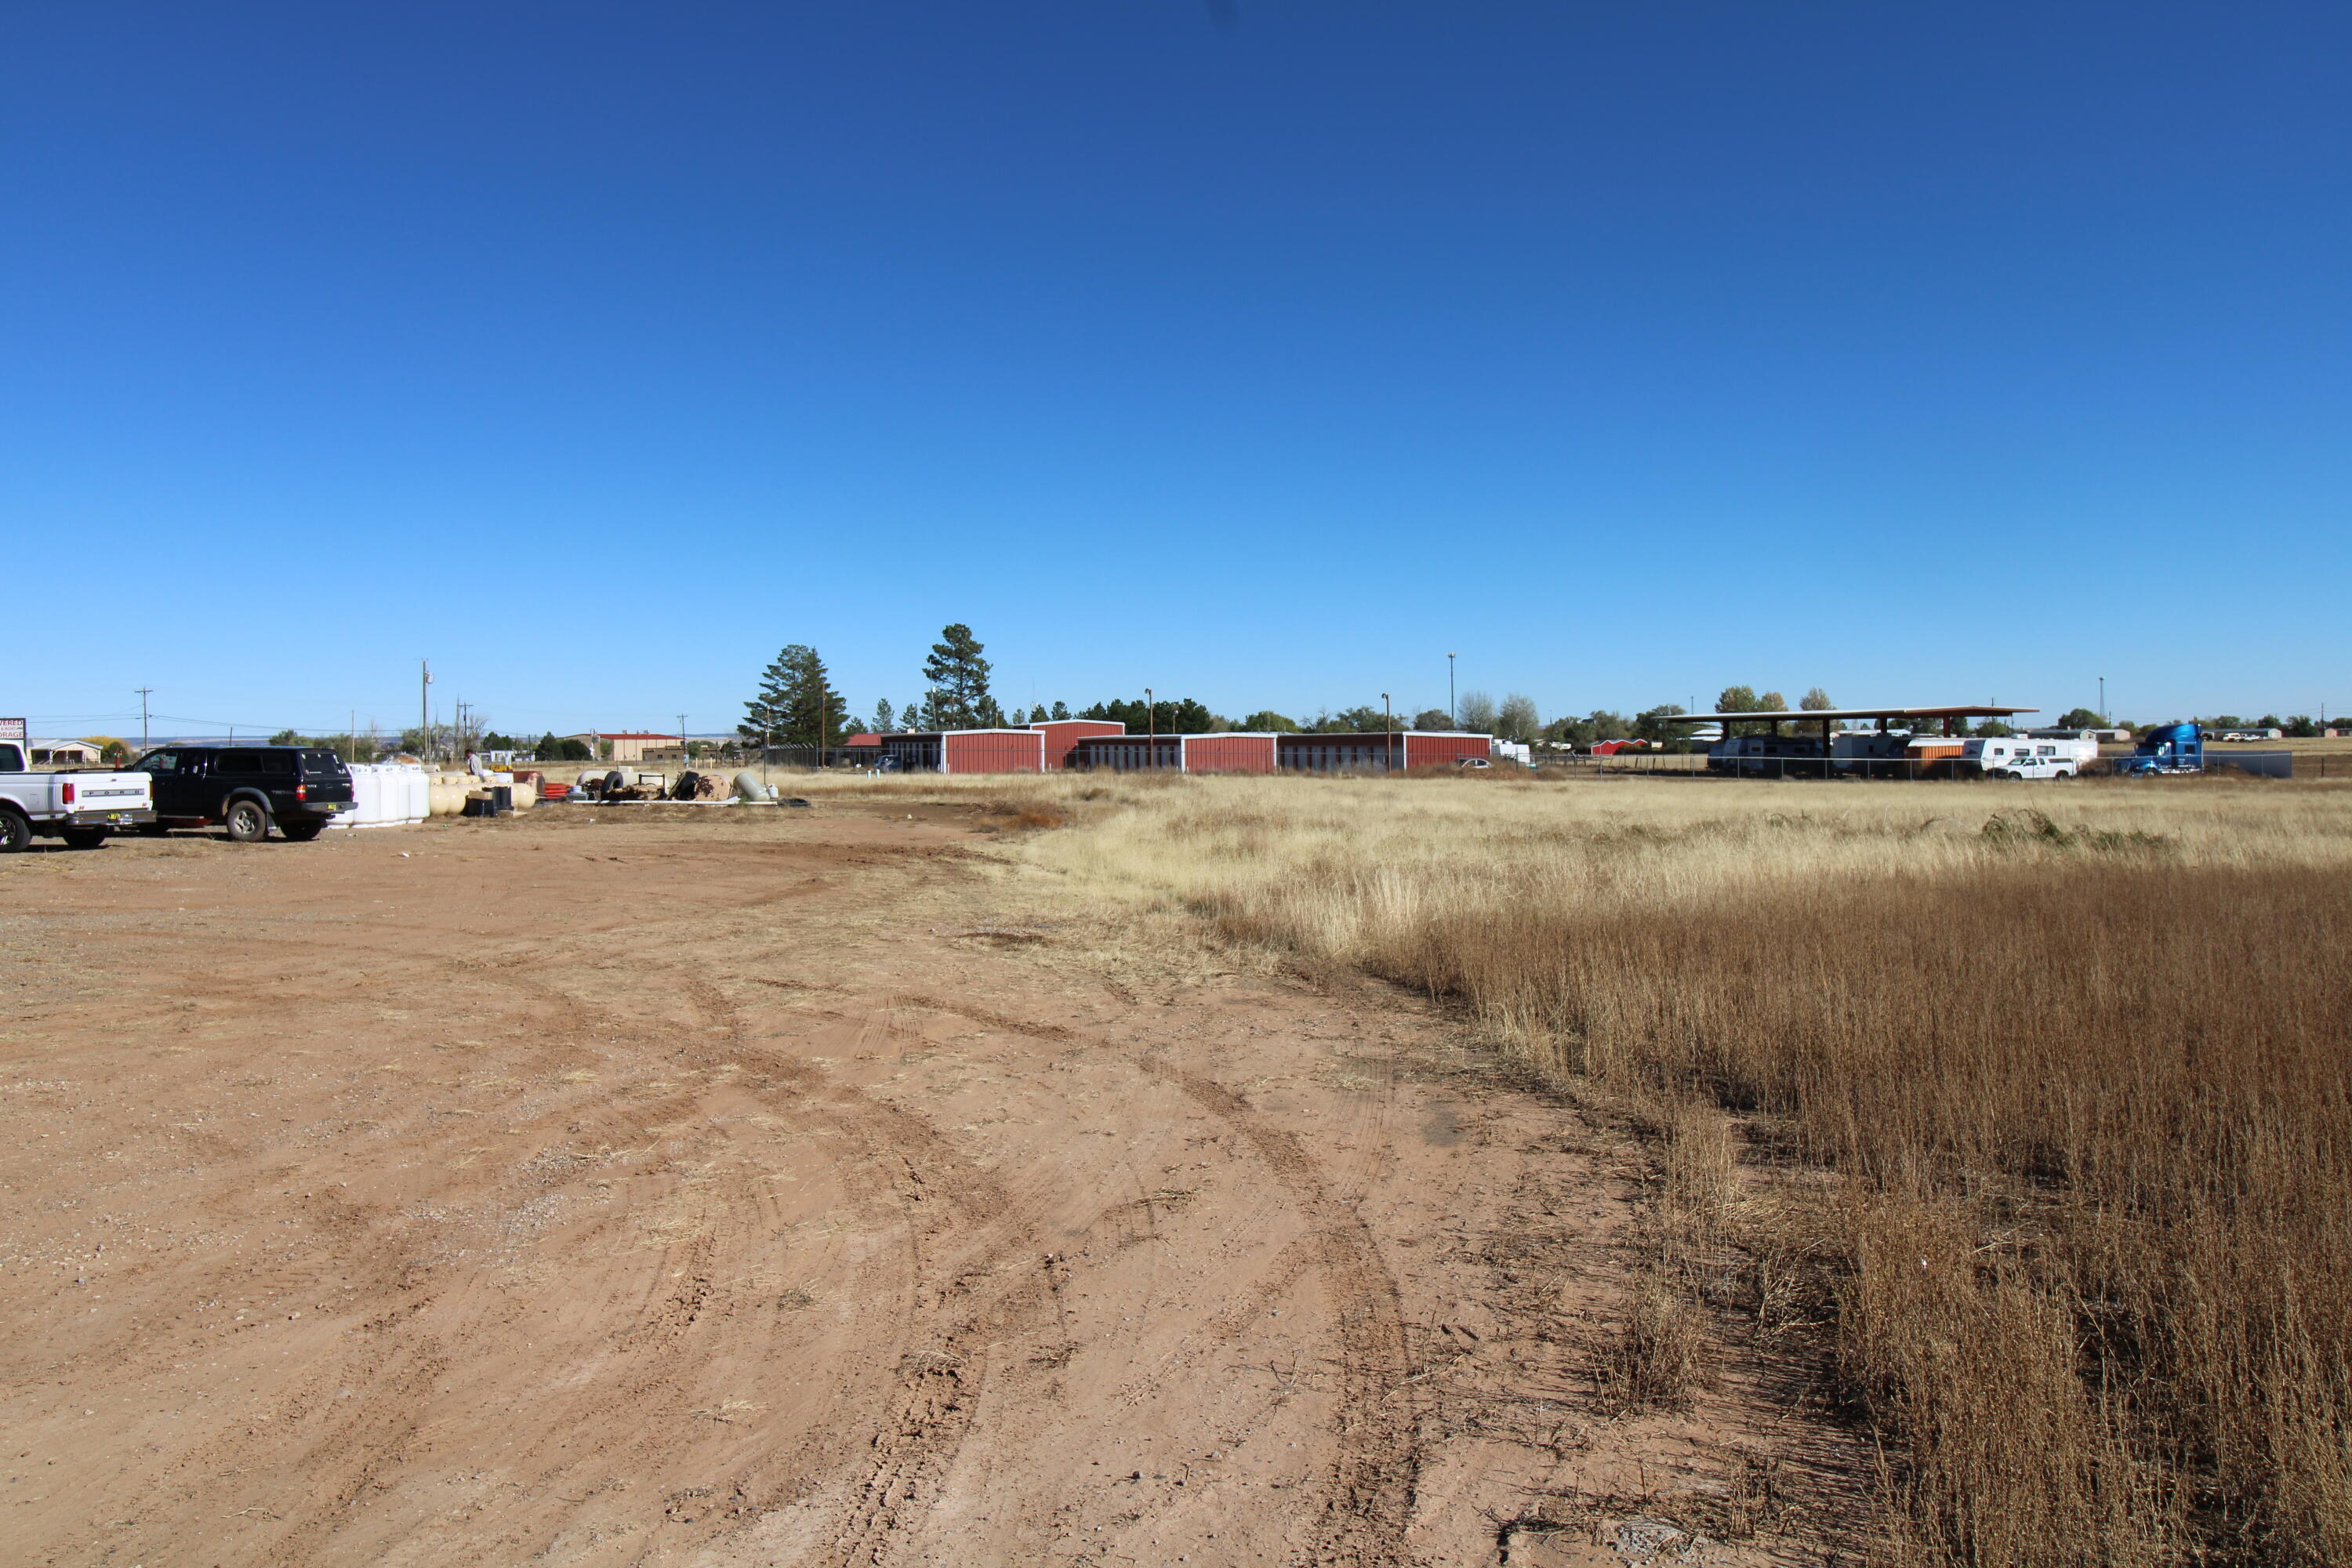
{"type": "Point", "coordinates": [248, 790]}
{"type": "Point", "coordinates": [80, 805]}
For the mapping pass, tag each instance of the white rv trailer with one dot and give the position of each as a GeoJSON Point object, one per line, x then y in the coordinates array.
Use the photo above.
{"type": "Point", "coordinates": [2028, 757]}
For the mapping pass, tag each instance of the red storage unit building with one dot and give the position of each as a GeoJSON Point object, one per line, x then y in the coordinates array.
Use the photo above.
{"type": "Point", "coordinates": [966, 751]}
{"type": "Point", "coordinates": [992, 751]}
{"type": "Point", "coordinates": [1377, 753]}
{"type": "Point", "coordinates": [1227, 753]}
{"type": "Point", "coordinates": [1063, 735]}
{"type": "Point", "coordinates": [1342, 752]}
{"type": "Point", "coordinates": [1123, 752]}
{"type": "Point", "coordinates": [1427, 748]}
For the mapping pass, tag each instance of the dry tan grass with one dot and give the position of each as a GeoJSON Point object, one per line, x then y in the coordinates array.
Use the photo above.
{"type": "Point", "coordinates": [2076, 1056]}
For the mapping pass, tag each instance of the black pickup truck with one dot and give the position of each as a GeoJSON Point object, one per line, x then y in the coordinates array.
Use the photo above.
{"type": "Point", "coordinates": [247, 789]}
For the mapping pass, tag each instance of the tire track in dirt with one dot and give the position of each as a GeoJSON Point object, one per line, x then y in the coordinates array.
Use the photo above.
{"type": "Point", "coordinates": [1369, 1505]}
{"type": "Point", "coordinates": [966, 1292]}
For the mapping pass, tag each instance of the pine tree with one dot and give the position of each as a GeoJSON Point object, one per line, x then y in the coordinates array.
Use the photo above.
{"type": "Point", "coordinates": [959, 679]}
{"type": "Point", "coordinates": [1036, 713]}
{"type": "Point", "coordinates": [796, 705]}
{"type": "Point", "coordinates": [1061, 710]}
{"type": "Point", "coordinates": [885, 720]}
{"type": "Point", "coordinates": [764, 716]}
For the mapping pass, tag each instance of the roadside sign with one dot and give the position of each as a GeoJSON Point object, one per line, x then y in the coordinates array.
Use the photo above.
{"type": "Point", "coordinates": [12, 729]}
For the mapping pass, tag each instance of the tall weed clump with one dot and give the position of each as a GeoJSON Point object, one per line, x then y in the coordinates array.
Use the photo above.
{"type": "Point", "coordinates": [2096, 1264]}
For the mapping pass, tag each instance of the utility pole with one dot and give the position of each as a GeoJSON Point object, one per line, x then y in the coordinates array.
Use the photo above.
{"type": "Point", "coordinates": [425, 710]}
{"type": "Point", "coordinates": [147, 691]}
{"type": "Point", "coordinates": [2103, 702]}
{"type": "Point", "coordinates": [1388, 729]}
{"type": "Point", "coordinates": [1150, 731]}
{"type": "Point", "coordinates": [1452, 717]}
{"type": "Point", "coordinates": [684, 756]}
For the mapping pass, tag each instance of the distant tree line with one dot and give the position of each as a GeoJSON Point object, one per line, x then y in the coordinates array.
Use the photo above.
{"type": "Point", "coordinates": [795, 704]}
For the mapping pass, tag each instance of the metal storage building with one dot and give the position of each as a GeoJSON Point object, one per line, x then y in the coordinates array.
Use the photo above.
{"type": "Point", "coordinates": [1063, 735]}
{"type": "Point", "coordinates": [1124, 752]}
{"type": "Point", "coordinates": [1237, 752]}
{"type": "Point", "coordinates": [1234, 751]}
{"type": "Point", "coordinates": [1398, 749]}
{"type": "Point", "coordinates": [967, 752]}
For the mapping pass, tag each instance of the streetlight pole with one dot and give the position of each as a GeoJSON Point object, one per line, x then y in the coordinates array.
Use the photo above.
{"type": "Point", "coordinates": [424, 708]}
{"type": "Point", "coordinates": [1150, 731]}
{"type": "Point", "coordinates": [1388, 734]}
{"type": "Point", "coordinates": [1452, 717]}
{"type": "Point", "coordinates": [2103, 702]}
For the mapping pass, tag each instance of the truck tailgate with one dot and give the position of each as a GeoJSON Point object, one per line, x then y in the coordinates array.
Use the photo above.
{"type": "Point", "coordinates": [104, 792]}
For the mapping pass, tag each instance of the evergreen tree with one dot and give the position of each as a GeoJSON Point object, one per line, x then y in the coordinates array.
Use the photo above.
{"type": "Point", "coordinates": [1267, 719]}
{"type": "Point", "coordinates": [1038, 713]}
{"type": "Point", "coordinates": [796, 704]}
{"type": "Point", "coordinates": [1179, 716]}
{"type": "Point", "coordinates": [915, 716]}
{"type": "Point", "coordinates": [885, 720]}
{"type": "Point", "coordinates": [959, 679]}
{"type": "Point", "coordinates": [1061, 710]}
{"type": "Point", "coordinates": [1433, 719]}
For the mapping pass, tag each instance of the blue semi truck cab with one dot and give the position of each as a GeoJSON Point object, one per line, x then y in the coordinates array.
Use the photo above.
{"type": "Point", "coordinates": [2169, 749]}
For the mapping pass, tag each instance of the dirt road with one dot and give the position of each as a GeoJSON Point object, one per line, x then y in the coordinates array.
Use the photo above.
{"type": "Point", "coordinates": [698, 1190]}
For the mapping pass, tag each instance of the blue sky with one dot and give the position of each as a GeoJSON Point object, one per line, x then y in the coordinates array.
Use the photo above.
{"type": "Point", "coordinates": [1924, 352]}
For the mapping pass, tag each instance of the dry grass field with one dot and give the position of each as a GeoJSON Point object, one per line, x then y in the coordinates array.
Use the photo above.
{"type": "Point", "coordinates": [2030, 1105]}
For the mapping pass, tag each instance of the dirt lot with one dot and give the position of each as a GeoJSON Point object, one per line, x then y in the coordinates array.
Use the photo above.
{"type": "Point", "coordinates": [793, 1188]}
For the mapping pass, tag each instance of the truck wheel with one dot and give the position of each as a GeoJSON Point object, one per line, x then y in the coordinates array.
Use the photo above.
{"type": "Point", "coordinates": [2061, 773]}
{"type": "Point", "coordinates": [83, 837]}
{"type": "Point", "coordinates": [15, 832]}
{"type": "Point", "coordinates": [248, 821]}
{"type": "Point", "coordinates": [302, 832]}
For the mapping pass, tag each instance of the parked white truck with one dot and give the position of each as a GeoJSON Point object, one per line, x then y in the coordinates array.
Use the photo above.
{"type": "Point", "coordinates": [80, 806]}
{"type": "Point", "coordinates": [2030, 757]}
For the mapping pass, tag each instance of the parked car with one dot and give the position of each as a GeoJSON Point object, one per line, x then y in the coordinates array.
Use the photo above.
{"type": "Point", "coordinates": [80, 806]}
{"type": "Point", "coordinates": [248, 789]}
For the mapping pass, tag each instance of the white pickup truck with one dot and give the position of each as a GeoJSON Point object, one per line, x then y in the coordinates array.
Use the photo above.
{"type": "Point", "coordinates": [80, 808]}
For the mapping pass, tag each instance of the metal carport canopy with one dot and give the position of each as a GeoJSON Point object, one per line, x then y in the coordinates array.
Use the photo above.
{"type": "Point", "coordinates": [1838, 715]}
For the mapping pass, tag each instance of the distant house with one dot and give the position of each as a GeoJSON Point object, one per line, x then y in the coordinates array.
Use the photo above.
{"type": "Point", "coordinates": [631, 745]}
{"type": "Point", "coordinates": [62, 753]}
